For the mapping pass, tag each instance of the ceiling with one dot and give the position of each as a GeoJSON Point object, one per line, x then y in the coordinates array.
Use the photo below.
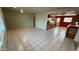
{"type": "Point", "coordinates": [52, 10]}
{"type": "Point", "coordinates": [29, 9]}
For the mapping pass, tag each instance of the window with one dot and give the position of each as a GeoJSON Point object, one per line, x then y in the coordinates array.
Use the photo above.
{"type": "Point", "coordinates": [68, 19]}
{"type": "Point", "coordinates": [1, 25]}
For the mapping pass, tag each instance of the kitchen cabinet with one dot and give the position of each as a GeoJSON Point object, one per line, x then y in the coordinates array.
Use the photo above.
{"type": "Point", "coordinates": [71, 31]}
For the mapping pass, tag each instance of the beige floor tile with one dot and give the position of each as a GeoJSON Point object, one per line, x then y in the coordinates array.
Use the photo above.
{"type": "Point", "coordinates": [32, 39]}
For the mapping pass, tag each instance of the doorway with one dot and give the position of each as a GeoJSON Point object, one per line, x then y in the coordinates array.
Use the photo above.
{"type": "Point", "coordinates": [58, 22]}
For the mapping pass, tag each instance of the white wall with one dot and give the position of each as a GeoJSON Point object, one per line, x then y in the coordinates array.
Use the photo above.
{"type": "Point", "coordinates": [41, 20]}
{"type": "Point", "coordinates": [19, 20]}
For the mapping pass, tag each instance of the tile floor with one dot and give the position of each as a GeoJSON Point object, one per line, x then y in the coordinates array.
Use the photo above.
{"type": "Point", "coordinates": [32, 39]}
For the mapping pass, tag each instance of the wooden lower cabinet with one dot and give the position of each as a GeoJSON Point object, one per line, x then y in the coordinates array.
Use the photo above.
{"type": "Point", "coordinates": [71, 31]}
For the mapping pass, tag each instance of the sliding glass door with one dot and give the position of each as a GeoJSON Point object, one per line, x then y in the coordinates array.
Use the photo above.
{"type": "Point", "coordinates": [1, 24]}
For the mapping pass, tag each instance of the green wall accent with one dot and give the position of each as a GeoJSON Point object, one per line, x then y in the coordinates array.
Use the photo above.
{"type": "Point", "coordinates": [19, 20]}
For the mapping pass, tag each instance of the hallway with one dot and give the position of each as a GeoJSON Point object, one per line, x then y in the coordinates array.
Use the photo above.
{"type": "Point", "coordinates": [32, 39]}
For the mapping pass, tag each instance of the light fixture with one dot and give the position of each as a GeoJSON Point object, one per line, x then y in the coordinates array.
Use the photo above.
{"type": "Point", "coordinates": [14, 7]}
{"type": "Point", "coordinates": [21, 10]}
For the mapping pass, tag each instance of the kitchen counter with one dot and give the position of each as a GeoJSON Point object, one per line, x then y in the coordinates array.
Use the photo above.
{"type": "Point", "coordinates": [71, 31]}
